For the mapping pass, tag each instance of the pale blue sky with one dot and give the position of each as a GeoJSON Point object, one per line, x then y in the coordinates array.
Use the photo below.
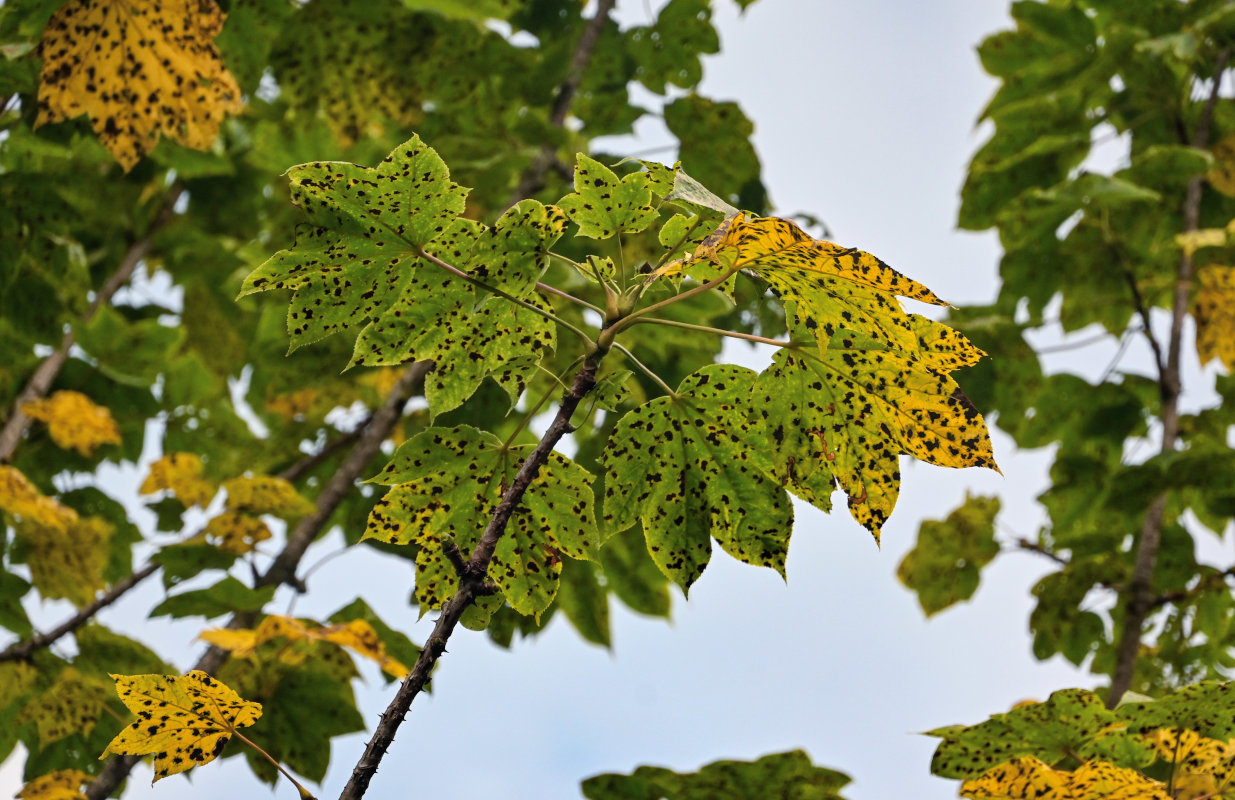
{"type": "Point", "coordinates": [865, 113]}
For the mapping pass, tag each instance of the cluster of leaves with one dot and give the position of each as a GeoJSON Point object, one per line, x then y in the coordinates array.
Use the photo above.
{"type": "Point", "coordinates": [1181, 745]}
{"type": "Point", "coordinates": [1104, 251]}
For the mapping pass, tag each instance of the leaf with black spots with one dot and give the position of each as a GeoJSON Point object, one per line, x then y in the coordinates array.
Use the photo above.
{"type": "Point", "coordinates": [141, 69]}
{"type": "Point", "coordinates": [788, 775]}
{"type": "Point", "coordinates": [604, 205]}
{"type": "Point", "coordinates": [445, 483]}
{"type": "Point", "coordinates": [943, 567]}
{"type": "Point", "coordinates": [683, 466]}
{"type": "Point", "coordinates": [182, 721]}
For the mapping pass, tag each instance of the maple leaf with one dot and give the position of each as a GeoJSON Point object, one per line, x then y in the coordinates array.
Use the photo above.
{"type": "Point", "coordinates": [1028, 778]}
{"type": "Point", "coordinates": [1203, 767]}
{"type": "Point", "coordinates": [74, 421]}
{"type": "Point", "coordinates": [682, 465]}
{"type": "Point", "coordinates": [140, 69]}
{"type": "Point", "coordinates": [604, 205]}
{"type": "Point", "coordinates": [181, 474]}
{"type": "Point", "coordinates": [356, 635]}
{"type": "Point", "coordinates": [184, 721]}
{"type": "Point", "coordinates": [21, 499]}
{"type": "Point", "coordinates": [1213, 308]}
{"type": "Point", "coordinates": [237, 533]}
{"type": "Point", "coordinates": [849, 409]}
{"type": "Point", "coordinates": [265, 494]}
{"type": "Point", "coordinates": [72, 704]}
{"type": "Point", "coordinates": [63, 784]}
{"type": "Point", "coordinates": [445, 482]}
{"type": "Point", "coordinates": [787, 775]}
{"type": "Point", "coordinates": [943, 566]}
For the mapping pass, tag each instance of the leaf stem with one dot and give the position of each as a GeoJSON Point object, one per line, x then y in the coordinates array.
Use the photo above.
{"type": "Point", "coordinates": [645, 369]}
{"type": "Point", "coordinates": [718, 331]}
{"type": "Point", "coordinates": [544, 287]}
{"type": "Point", "coordinates": [629, 320]}
{"type": "Point", "coordinates": [305, 794]}
{"type": "Point", "coordinates": [549, 315]}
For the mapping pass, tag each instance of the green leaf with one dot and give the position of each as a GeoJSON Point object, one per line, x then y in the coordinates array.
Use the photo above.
{"type": "Point", "coordinates": [668, 52]}
{"type": "Point", "coordinates": [584, 600]}
{"type": "Point", "coordinates": [1072, 723]}
{"type": "Point", "coordinates": [368, 229]}
{"type": "Point", "coordinates": [446, 482]}
{"type": "Point", "coordinates": [604, 205]}
{"type": "Point", "coordinates": [1208, 708]}
{"type": "Point", "coordinates": [683, 467]}
{"type": "Point", "coordinates": [787, 775]}
{"type": "Point", "coordinates": [102, 650]}
{"type": "Point", "coordinates": [12, 613]}
{"type": "Point", "coordinates": [716, 149]}
{"type": "Point", "coordinates": [183, 561]}
{"type": "Point", "coordinates": [226, 596]}
{"type": "Point", "coordinates": [943, 567]}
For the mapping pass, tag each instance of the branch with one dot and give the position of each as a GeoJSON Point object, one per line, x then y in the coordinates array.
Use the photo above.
{"type": "Point", "coordinates": [1033, 547]}
{"type": "Point", "coordinates": [533, 179]}
{"type": "Point", "coordinates": [307, 464]}
{"type": "Point", "coordinates": [283, 570]}
{"type": "Point", "coordinates": [40, 382]}
{"type": "Point", "coordinates": [472, 582]}
{"type": "Point", "coordinates": [1140, 596]}
{"type": "Point", "coordinates": [24, 648]}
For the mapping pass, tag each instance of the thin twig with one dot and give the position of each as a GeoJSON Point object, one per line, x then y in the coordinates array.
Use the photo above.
{"type": "Point", "coordinates": [472, 583]}
{"type": "Point", "coordinates": [1033, 547]}
{"type": "Point", "coordinates": [26, 647]}
{"type": "Point", "coordinates": [533, 178]}
{"type": "Point", "coordinates": [1139, 594]}
{"type": "Point", "coordinates": [40, 382]}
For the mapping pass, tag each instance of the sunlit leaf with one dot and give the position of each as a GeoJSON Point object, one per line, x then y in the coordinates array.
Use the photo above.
{"type": "Point", "coordinates": [63, 784]}
{"type": "Point", "coordinates": [1213, 308]}
{"type": "Point", "coordinates": [183, 721]}
{"type": "Point", "coordinates": [140, 69]}
{"type": "Point", "coordinates": [237, 533]}
{"type": "Point", "coordinates": [265, 494]}
{"type": "Point", "coordinates": [181, 474]}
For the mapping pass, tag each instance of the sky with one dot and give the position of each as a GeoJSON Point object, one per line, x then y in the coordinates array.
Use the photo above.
{"type": "Point", "coordinates": [865, 114]}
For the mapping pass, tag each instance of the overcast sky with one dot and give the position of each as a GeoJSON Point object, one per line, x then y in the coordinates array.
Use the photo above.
{"type": "Point", "coordinates": [865, 113]}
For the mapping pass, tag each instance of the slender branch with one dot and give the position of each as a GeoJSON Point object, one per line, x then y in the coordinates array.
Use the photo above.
{"type": "Point", "coordinates": [40, 382]}
{"type": "Point", "coordinates": [1208, 583]}
{"type": "Point", "coordinates": [1033, 547]}
{"type": "Point", "coordinates": [1143, 312]}
{"type": "Point", "coordinates": [718, 331]}
{"type": "Point", "coordinates": [284, 567]}
{"type": "Point", "coordinates": [1139, 594]}
{"type": "Point", "coordinates": [533, 178]}
{"type": "Point", "coordinates": [26, 647]}
{"type": "Point", "coordinates": [629, 320]}
{"type": "Point", "coordinates": [547, 289]}
{"type": "Point", "coordinates": [472, 582]}
{"type": "Point", "coordinates": [283, 570]}
{"type": "Point", "coordinates": [310, 462]}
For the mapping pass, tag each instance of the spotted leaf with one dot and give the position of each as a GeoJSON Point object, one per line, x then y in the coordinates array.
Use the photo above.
{"type": "Point", "coordinates": [1213, 308]}
{"type": "Point", "coordinates": [63, 784]}
{"type": "Point", "coordinates": [1208, 708]}
{"type": "Point", "coordinates": [367, 230]}
{"type": "Point", "coordinates": [74, 421]}
{"type": "Point", "coordinates": [604, 205]}
{"type": "Point", "coordinates": [943, 567]}
{"type": "Point", "coordinates": [265, 494]}
{"type": "Point", "coordinates": [787, 775]}
{"type": "Point", "coordinates": [182, 721]}
{"type": "Point", "coordinates": [848, 410]}
{"type": "Point", "coordinates": [140, 69]}
{"type": "Point", "coordinates": [1072, 723]}
{"type": "Point", "coordinates": [683, 466]}
{"type": "Point", "coordinates": [237, 533]}
{"type": "Point", "coordinates": [72, 704]}
{"type": "Point", "coordinates": [1028, 778]}
{"type": "Point", "coordinates": [445, 483]}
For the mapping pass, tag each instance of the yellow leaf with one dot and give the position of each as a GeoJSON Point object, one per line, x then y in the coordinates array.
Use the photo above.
{"type": "Point", "coordinates": [293, 406]}
{"type": "Point", "coordinates": [183, 721]}
{"type": "Point", "coordinates": [1222, 174]}
{"type": "Point", "coordinates": [1213, 308]}
{"type": "Point", "coordinates": [72, 704]}
{"type": "Point", "coordinates": [360, 637]}
{"type": "Point", "coordinates": [1204, 766]}
{"type": "Point", "coordinates": [16, 678]}
{"type": "Point", "coordinates": [237, 533]}
{"type": "Point", "coordinates": [21, 499]}
{"type": "Point", "coordinates": [265, 494]}
{"type": "Point", "coordinates": [181, 474]}
{"type": "Point", "coordinates": [63, 784]}
{"type": "Point", "coordinates": [1029, 778]}
{"type": "Point", "coordinates": [240, 643]}
{"type": "Point", "coordinates": [140, 69]}
{"type": "Point", "coordinates": [274, 626]}
{"type": "Point", "coordinates": [1192, 241]}
{"type": "Point", "coordinates": [74, 421]}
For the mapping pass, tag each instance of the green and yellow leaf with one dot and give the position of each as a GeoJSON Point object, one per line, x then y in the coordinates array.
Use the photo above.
{"type": "Point", "coordinates": [183, 721]}
{"type": "Point", "coordinates": [1028, 778]}
{"type": "Point", "coordinates": [265, 494]}
{"type": "Point", "coordinates": [237, 533]}
{"type": "Point", "coordinates": [140, 69]}
{"type": "Point", "coordinates": [74, 421]}
{"type": "Point", "coordinates": [1213, 308]}
{"type": "Point", "coordinates": [683, 467]}
{"type": "Point", "coordinates": [72, 704]}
